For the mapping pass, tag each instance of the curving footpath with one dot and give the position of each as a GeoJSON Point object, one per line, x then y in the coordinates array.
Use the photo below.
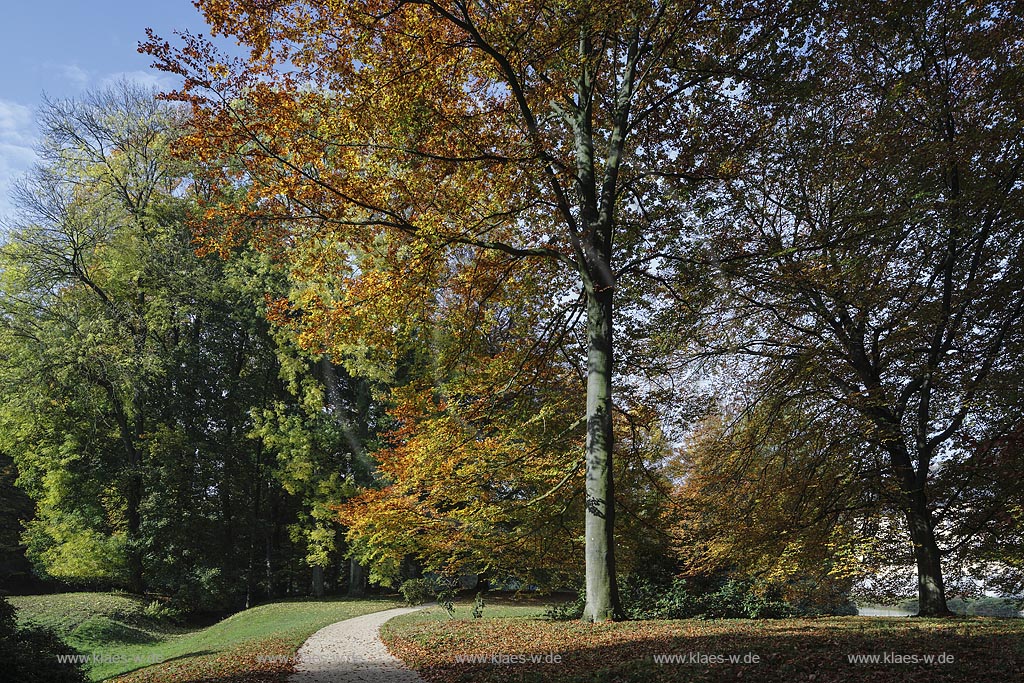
{"type": "Point", "coordinates": [350, 651]}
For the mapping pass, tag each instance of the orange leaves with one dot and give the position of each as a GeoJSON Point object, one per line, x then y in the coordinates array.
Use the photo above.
{"type": "Point", "coordinates": [474, 444]}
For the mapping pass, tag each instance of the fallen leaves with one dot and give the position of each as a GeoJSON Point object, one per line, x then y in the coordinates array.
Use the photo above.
{"type": "Point", "coordinates": [713, 651]}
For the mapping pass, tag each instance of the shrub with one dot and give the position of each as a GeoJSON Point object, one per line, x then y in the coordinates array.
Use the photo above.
{"type": "Point", "coordinates": [418, 591]}
{"type": "Point", "coordinates": [712, 598]}
{"type": "Point", "coordinates": [566, 611]}
{"type": "Point", "coordinates": [478, 606]}
{"type": "Point", "coordinates": [163, 612]}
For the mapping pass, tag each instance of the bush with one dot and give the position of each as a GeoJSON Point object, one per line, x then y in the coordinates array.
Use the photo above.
{"type": "Point", "coordinates": [713, 598]}
{"type": "Point", "coordinates": [418, 591]}
{"type": "Point", "coordinates": [566, 611]}
{"type": "Point", "coordinates": [710, 598]}
{"type": "Point", "coordinates": [163, 612]}
{"type": "Point", "coordinates": [30, 655]}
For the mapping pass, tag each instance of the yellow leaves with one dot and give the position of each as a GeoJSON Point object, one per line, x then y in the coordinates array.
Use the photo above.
{"type": "Point", "coordinates": [463, 465]}
{"type": "Point", "coordinates": [218, 70]}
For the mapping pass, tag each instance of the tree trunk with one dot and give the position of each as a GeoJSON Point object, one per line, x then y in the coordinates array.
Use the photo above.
{"type": "Point", "coordinates": [318, 581]}
{"type": "Point", "coordinates": [931, 590]}
{"type": "Point", "coordinates": [136, 580]}
{"type": "Point", "coordinates": [269, 545]}
{"type": "Point", "coordinates": [602, 602]}
{"type": "Point", "coordinates": [356, 579]}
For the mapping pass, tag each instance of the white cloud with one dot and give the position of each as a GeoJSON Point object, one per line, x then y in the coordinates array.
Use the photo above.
{"type": "Point", "coordinates": [83, 79]}
{"type": "Point", "coordinates": [72, 73]}
{"type": "Point", "coordinates": [76, 74]}
{"type": "Point", "coordinates": [17, 136]}
{"type": "Point", "coordinates": [148, 79]}
{"type": "Point", "coordinates": [15, 122]}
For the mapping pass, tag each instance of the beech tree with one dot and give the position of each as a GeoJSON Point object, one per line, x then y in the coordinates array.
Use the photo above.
{"type": "Point", "coordinates": [389, 146]}
{"type": "Point", "coordinates": [872, 252]}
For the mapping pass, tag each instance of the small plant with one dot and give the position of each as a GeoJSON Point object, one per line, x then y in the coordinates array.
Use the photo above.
{"type": "Point", "coordinates": [418, 591]}
{"type": "Point", "coordinates": [162, 612]}
{"type": "Point", "coordinates": [478, 606]}
{"type": "Point", "coordinates": [446, 597]}
{"type": "Point", "coordinates": [566, 611]}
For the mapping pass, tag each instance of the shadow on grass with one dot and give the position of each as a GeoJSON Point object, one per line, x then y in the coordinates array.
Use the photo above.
{"type": "Point", "coordinates": [104, 630]}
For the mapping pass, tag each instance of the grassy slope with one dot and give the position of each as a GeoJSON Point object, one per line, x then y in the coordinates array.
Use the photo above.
{"type": "Point", "coordinates": [227, 651]}
{"type": "Point", "coordinates": [983, 649]}
{"type": "Point", "coordinates": [88, 621]}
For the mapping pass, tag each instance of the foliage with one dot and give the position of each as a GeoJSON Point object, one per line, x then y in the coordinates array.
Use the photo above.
{"type": "Point", "coordinates": [408, 159]}
{"type": "Point", "coordinates": [863, 258]}
{"type": "Point", "coordinates": [566, 610]}
{"type": "Point", "coordinates": [446, 594]}
{"type": "Point", "coordinates": [16, 508]}
{"type": "Point", "coordinates": [777, 493]}
{"type": "Point", "coordinates": [418, 591]}
{"type": "Point", "coordinates": [719, 597]}
{"type": "Point", "coordinates": [478, 606]}
{"type": "Point", "coordinates": [169, 441]}
{"type": "Point", "coordinates": [163, 612]}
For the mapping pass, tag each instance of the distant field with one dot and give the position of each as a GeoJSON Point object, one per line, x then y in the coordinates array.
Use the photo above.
{"type": "Point", "coordinates": [503, 646]}
{"type": "Point", "coordinates": [114, 626]}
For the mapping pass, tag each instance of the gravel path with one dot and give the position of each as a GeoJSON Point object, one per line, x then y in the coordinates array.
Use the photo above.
{"type": "Point", "coordinates": [350, 651]}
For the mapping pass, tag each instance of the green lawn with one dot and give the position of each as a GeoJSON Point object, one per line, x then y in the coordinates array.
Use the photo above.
{"type": "Point", "coordinates": [115, 628]}
{"type": "Point", "coordinates": [786, 650]}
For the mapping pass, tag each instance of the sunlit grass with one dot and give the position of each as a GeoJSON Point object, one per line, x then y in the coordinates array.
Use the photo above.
{"type": "Point", "coordinates": [114, 627]}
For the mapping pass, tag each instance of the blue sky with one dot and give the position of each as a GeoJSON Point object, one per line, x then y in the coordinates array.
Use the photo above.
{"type": "Point", "coordinates": [63, 47]}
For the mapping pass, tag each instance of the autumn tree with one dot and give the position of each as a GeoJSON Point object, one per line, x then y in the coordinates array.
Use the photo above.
{"type": "Point", "coordinates": [393, 145]}
{"type": "Point", "coordinates": [777, 491]}
{"type": "Point", "coordinates": [871, 247]}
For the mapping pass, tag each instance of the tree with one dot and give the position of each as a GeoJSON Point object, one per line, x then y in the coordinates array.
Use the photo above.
{"type": "Point", "coordinates": [102, 187]}
{"type": "Point", "coordinates": [778, 492]}
{"type": "Point", "coordinates": [15, 509]}
{"type": "Point", "coordinates": [870, 249]}
{"type": "Point", "coordinates": [483, 459]}
{"type": "Point", "coordinates": [392, 145]}
{"type": "Point", "coordinates": [134, 374]}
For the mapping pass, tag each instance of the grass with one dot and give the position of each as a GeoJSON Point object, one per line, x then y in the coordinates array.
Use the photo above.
{"type": "Point", "coordinates": [983, 649]}
{"type": "Point", "coordinates": [87, 621]}
{"type": "Point", "coordinates": [115, 628]}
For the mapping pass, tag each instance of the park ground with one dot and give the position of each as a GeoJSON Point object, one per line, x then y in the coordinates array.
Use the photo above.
{"type": "Point", "coordinates": [790, 650]}
{"type": "Point", "coordinates": [257, 645]}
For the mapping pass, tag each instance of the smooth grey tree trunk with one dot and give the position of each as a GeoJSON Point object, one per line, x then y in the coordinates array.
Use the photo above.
{"type": "Point", "coordinates": [602, 600]}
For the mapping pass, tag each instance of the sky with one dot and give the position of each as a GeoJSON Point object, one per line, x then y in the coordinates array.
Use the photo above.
{"type": "Point", "coordinates": [65, 47]}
